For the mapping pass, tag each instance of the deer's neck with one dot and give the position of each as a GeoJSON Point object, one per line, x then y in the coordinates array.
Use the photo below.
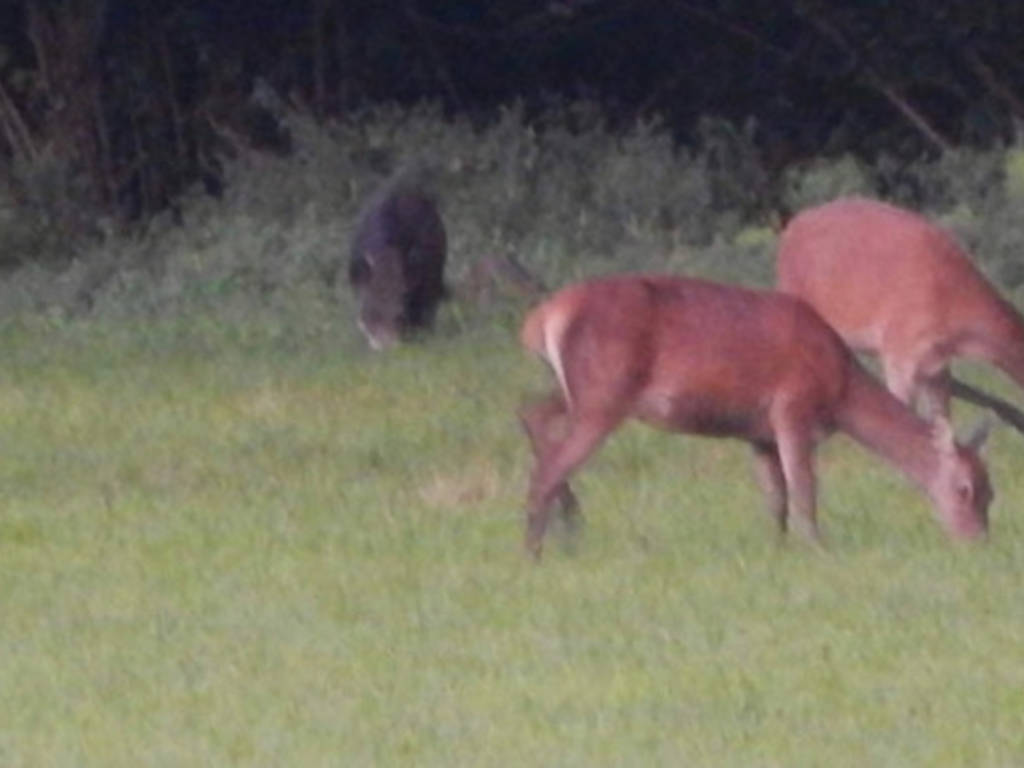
{"type": "Point", "coordinates": [873, 417]}
{"type": "Point", "coordinates": [999, 339]}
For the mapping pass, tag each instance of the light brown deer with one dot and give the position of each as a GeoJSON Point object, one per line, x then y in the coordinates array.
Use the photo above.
{"type": "Point", "coordinates": [896, 285]}
{"type": "Point", "coordinates": [716, 360]}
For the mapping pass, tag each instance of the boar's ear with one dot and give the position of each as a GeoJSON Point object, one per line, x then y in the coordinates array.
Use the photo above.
{"type": "Point", "coordinates": [943, 437]}
{"type": "Point", "coordinates": [979, 434]}
{"type": "Point", "coordinates": [359, 271]}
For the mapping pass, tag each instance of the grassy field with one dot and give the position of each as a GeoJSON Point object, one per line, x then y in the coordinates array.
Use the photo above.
{"type": "Point", "coordinates": [228, 548]}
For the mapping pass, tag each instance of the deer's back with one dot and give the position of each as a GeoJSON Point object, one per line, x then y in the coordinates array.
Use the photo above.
{"type": "Point", "coordinates": [865, 266]}
{"type": "Point", "coordinates": [688, 354]}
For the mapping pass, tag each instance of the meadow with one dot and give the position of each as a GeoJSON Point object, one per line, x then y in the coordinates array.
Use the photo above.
{"type": "Point", "coordinates": [231, 535]}
{"type": "Point", "coordinates": [245, 552]}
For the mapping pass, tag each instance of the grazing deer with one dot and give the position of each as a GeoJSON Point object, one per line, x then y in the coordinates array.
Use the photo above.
{"type": "Point", "coordinates": [698, 357]}
{"type": "Point", "coordinates": [896, 285]}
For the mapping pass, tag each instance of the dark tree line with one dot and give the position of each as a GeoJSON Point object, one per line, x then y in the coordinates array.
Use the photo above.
{"type": "Point", "coordinates": [131, 101]}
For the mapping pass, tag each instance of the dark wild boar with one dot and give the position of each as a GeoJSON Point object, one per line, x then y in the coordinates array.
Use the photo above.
{"type": "Point", "coordinates": [698, 357]}
{"type": "Point", "coordinates": [396, 267]}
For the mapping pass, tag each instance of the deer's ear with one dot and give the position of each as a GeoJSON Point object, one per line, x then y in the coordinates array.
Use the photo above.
{"type": "Point", "coordinates": [979, 434]}
{"type": "Point", "coordinates": [943, 437]}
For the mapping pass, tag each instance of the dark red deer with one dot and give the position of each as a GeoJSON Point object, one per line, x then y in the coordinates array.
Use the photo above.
{"type": "Point", "coordinates": [397, 263]}
{"type": "Point", "coordinates": [698, 357]}
{"type": "Point", "coordinates": [896, 285]}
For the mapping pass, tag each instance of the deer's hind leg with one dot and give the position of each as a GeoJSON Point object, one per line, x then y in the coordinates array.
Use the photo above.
{"type": "Point", "coordinates": [551, 471]}
{"type": "Point", "coordinates": [545, 423]}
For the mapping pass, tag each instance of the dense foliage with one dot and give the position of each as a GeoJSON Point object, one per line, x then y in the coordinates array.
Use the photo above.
{"type": "Point", "coordinates": [111, 110]}
{"type": "Point", "coordinates": [564, 201]}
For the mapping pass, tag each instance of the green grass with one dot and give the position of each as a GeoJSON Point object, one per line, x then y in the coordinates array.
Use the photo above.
{"type": "Point", "coordinates": [221, 547]}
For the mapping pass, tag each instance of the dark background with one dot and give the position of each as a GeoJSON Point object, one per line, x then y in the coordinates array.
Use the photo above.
{"type": "Point", "coordinates": [136, 100]}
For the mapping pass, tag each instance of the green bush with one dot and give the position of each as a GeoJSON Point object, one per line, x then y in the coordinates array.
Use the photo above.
{"type": "Point", "coordinates": [819, 181]}
{"type": "Point", "coordinates": [976, 194]}
{"type": "Point", "coordinates": [560, 190]}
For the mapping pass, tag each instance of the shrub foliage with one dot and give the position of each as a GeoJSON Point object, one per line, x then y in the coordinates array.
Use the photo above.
{"type": "Point", "coordinates": [564, 194]}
